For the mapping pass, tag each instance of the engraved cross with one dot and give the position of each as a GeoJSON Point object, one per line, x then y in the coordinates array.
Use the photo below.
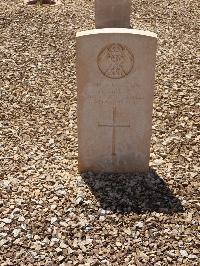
{"type": "Point", "coordinates": [114, 125]}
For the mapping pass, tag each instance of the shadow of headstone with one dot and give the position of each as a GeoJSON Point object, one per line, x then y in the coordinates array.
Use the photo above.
{"type": "Point", "coordinates": [133, 193]}
{"type": "Point", "coordinates": [42, 2]}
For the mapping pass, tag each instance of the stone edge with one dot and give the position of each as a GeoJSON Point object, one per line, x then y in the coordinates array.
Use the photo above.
{"type": "Point", "coordinates": [116, 30]}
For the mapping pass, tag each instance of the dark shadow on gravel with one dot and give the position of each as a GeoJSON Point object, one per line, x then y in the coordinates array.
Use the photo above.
{"type": "Point", "coordinates": [126, 193]}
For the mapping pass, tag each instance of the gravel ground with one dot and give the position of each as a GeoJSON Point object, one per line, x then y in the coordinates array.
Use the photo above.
{"type": "Point", "coordinates": [51, 215]}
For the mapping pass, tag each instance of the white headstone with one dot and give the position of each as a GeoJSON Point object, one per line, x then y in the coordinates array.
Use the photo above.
{"type": "Point", "coordinates": [112, 13]}
{"type": "Point", "coordinates": [115, 75]}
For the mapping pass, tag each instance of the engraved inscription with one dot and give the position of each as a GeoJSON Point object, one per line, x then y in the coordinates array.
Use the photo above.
{"type": "Point", "coordinates": [112, 97]}
{"type": "Point", "coordinates": [112, 100]}
{"type": "Point", "coordinates": [115, 61]}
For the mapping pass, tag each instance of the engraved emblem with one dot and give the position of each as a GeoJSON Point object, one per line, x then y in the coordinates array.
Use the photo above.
{"type": "Point", "coordinates": [115, 61]}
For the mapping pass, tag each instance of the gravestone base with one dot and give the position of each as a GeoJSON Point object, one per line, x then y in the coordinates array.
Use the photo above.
{"type": "Point", "coordinates": [115, 78]}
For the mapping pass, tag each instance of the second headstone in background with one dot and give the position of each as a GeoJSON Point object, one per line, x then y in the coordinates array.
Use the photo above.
{"type": "Point", "coordinates": [112, 13]}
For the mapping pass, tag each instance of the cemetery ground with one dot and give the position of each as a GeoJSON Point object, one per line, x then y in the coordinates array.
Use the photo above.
{"type": "Point", "coordinates": [50, 214]}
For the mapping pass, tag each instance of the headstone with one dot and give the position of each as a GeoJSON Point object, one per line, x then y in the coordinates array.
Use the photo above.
{"type": "Point", "coordinates": [112, 13]}
{"type": "Point", "coordinates": [115, 75]}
